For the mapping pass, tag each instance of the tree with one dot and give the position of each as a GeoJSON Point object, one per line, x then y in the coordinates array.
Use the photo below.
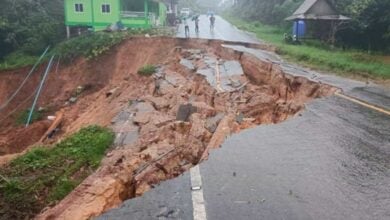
{"type": "Point", "coordinates": [30, 25]}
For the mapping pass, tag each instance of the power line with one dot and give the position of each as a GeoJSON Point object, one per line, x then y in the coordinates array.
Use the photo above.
{"type": "Point", "coordinates": [24, 81]}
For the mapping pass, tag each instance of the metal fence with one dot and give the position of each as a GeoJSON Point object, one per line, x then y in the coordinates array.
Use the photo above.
{"type": "Point", "coordinates": [133, 14]}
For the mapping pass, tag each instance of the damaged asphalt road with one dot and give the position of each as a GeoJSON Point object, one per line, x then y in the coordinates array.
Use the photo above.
{"type": "Point", "coordinates": [332, 161]}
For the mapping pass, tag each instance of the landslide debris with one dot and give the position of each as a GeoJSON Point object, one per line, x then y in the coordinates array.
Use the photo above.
{"type": "Point", "coordinates": [165, 124]}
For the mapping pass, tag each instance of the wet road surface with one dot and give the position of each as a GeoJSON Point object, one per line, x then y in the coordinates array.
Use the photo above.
{"type": "Point", "coordinates": [223, 30]}
{"type": "Point", "coordinates": [332, 161]}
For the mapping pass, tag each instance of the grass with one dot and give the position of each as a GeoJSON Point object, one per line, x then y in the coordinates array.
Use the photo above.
{"type": "Point", "coordinates": [147, 70]}
{"type": "Point", "coordinates": [17, 60]}
{"type": "Point", "coordinates": [318, 55]}
{"type": "Point", "coordinates": [97, 43]}
{"type": "Point", "coordinates": [23, 117]}
{"type": "Point", "coordinates": [90, 46]}
{"type": "Point", "coordinates": [44, 175]}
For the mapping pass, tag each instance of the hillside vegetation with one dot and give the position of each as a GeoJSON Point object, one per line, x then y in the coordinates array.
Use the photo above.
{"type": "Point", "coordinates": [362, 45]}
{"type": "Point", "coordinates": [368, 30]}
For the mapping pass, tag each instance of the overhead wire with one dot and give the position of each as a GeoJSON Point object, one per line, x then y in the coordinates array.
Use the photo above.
{"type": "Point", "coordinates": [6, 103]}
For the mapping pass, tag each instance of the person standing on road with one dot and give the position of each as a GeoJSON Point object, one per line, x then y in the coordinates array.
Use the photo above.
{"type": "Point", "coordinates": [212, 22]}
{"type": "Point", "coordinates": [197, 24]}
{"type": "Point", "coordinates": [186, 28]}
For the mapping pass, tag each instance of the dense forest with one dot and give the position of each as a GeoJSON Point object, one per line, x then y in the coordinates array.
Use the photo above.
{"type": "Point", "coordinates": [369, 28]}
{"type": "Point", "coordinates": [30, 25]}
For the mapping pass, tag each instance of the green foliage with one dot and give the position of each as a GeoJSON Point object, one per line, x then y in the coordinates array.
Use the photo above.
{"type": "Point", "coordinates": [369, 28]}
{"type": "Point", "coordinates": [23, 117]}
{"type": "Point", "coordinates": [89, 46]}
{"type": "Point", "coordinates": [95, 44]}
{"type": "Point", "coordinates": [45, 175]}
{"type": "Point", "coordinates": [29, 26]}
{"type": "Point", "coordinates": [147, 70]}
{"type": "Point", "coordinates": [17, 59]}
{"type": "Point", "coordinates": [319, 55]}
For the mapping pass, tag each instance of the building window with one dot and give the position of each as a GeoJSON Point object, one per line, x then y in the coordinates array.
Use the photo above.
{"type": "Point", "coordinates": [79, 7]}
{"type": "Point", "coordinates": [106, 8]}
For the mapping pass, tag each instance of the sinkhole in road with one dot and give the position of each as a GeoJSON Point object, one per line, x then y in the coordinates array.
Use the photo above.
{"type": "Point", "coordinates": [167, 123]}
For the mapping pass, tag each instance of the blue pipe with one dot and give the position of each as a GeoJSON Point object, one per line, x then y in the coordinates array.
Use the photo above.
{"type": "Point", "coordinates": [39, 90]}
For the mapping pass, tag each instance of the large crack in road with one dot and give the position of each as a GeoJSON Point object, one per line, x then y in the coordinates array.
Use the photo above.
{"type": "Point", "coordinates": [167, 123]}
{"type": "Point", "coordinates": [201, 93]}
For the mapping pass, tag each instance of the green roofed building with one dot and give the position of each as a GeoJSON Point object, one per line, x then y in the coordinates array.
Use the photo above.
{"type": "Point", "coordinates": [99, 14]}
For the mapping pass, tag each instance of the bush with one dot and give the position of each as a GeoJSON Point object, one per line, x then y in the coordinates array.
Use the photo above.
{"type": "Point", "coordinates": [17, 59]}
{"type": "Point", "coordinates": [23, 117]}
{"type": "Point", "coordinates": [46, 175]}
{"type": "Point", "coordinates": [94, 44]}
{"type": "Point", "coordinates": [89, 46]}
{"type": "Point", "coordinates": [147, 70]}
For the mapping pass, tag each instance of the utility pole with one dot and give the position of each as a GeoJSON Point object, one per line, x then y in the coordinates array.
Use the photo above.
{"type": "Point", "coordinates": [67, 32]}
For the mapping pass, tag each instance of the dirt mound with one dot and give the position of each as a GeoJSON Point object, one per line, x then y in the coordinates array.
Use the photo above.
{"type": "Point", "coordinates": [15, 140]}
{"type": "Point", "coordinates": [167, 123]}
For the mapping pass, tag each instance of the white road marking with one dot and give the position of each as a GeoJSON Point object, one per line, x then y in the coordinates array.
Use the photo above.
{"type": "Point", "coordinates": [197, 194]}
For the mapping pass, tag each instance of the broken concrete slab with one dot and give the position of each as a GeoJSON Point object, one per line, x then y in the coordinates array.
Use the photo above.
{"type": "Point", "coordinates": [231, 68]}
{"type": "Point", "coordinates": [126, 138]}
{"type": "Point", "coordinates": [209, 73]}
{"type": "Point", "coordinates": [122, 117]}
{"type": "Point", "coordinates": [188, 64]}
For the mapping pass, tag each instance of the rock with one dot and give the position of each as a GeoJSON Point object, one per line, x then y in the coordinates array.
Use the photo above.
{"type": "Point", "coordinates": [234, 83]}
{"type": "Point", "coordinates": [111, 92]}
{"type": "Point", "coordinates": [240, 118]}
{"type": "Point", "coordinates": [198, 129]}
{"type": "Point", "coordinates": [148, 129]}
{"type": "Point", "coordinates": [158, 102]}
{"type": "Point", "coordinates": [212, 123]}
{"type": "Point", "coordinates": [142, 117]}
{"type": "Point", "coordinates": [185, 111]}
{"type": "Point", "coordinates": [158, 119]}
{"type": "Point", "coordinates": [79, 90]}
{"type": "Point", "coordinates": [175, 79]}
{"type": "Point", "coordinates": [73, 100]}
{"type": "Point", "coordinates": [204, 109]}
{"type": "Point", "coordinates": [163, 87]}
{"type": "Point", "coordinates": [144, 107]}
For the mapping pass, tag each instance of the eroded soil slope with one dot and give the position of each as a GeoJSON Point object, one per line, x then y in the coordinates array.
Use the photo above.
{"type": "Point", "coordinates": [165, 123]}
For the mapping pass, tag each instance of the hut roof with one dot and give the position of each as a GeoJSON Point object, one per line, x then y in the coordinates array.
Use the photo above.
{"type": "Point", "coordinates": [316, 10]}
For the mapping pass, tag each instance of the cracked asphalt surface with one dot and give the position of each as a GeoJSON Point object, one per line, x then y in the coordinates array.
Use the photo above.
{"type": "Point", "coordinates": [332, 161]}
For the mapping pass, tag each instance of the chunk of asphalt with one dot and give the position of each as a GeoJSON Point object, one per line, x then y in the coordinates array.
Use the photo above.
{"type": "Point", "coordinates": [184, 112]}
{"type": "Point", "coordinates": [188, 64]}
{"type": "Point", "coordinates": [240, 118]}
